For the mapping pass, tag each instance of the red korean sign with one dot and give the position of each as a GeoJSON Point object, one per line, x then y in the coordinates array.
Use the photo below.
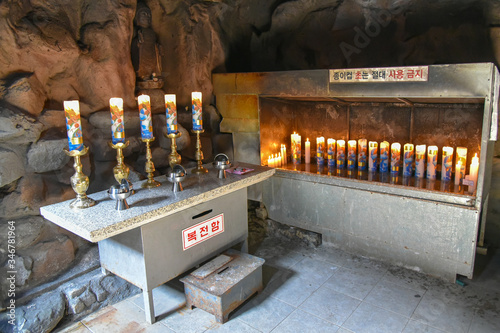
{"type": "Point", "coordinates": [202, 231]}
{"type": "Point", "coordinates": [387, 74]}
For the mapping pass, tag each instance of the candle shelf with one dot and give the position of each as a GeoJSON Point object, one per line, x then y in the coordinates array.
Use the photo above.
{"type": "Point", "coordinates": [433, 225]}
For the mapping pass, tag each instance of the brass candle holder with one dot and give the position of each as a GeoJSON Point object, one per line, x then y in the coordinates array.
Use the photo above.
{"type": "Point", "coordinates": [174, 157]}
{"type": "Point", "coordinates": [121, 170]}
{"type": "Point", "coordinates": [199, 154]}
{"type": "Point", "coordinates": [79, 181]}
{"type": "Point", "coordinates": [150, 167]}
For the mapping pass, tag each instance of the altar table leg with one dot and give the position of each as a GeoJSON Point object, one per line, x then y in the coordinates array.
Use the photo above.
{"type": "Point", "coordinates": [149, 306]}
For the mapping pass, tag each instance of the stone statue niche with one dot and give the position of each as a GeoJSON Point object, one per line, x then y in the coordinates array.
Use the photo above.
{"type": "Point", "coordinates": [146, 51]}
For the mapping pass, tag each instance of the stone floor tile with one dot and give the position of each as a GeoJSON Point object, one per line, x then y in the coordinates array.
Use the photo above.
{"type": "Point", "coordinates": [300, 321]}
{"type": "Point", "coordinates": [76, 328]}
{"type": "Point", "coordinates": [363, 264]}
{"type": "Point", "coordinates": [330, 305]}
{"type": "Point", "coordinates": [394, 298]}
{"type": "Point", "coordinates": [487, 271]}
{"type": "Point", "coordinates": [354, 283]}
{"type": "Point", "coordinates": [410, 279]}
{"type": "Point", "coordinates": [232, 326]}
{"type": "Point", "coordinates": [487, 314]}
{"type": "Point", "coordinates": [439, 311]}
{"type": "Point", "coordinates": [122, 317]}
{"type": "Point", "coordinates": [263, 312]}
{"type": "Point", "coordinates": [166, 300]}
{"type": "Point", "coordinates": [291, 289]}
{"type": "Point", "coordinates": [314, 271]}
{"type": "Point", "coordinates": [344, 330]}
{"type": "Point", "coordinates": [331, 255]}
{"type": "Point", "coordinates": [189, 321]}
{"type": "Point", "coordinates": [415, 326]}
{"type": "Point", "coordinates": [368, 318]}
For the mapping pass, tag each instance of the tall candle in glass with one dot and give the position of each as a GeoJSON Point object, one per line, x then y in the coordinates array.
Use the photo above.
{"type": "Point", "coordinates": [447, 164]}
{"type": "Point", "coordinates": [373, 155]}
{"type": "Point", "coordinates": [283, 154]}
{"type": "Point", "coordinates": [171, 112]}
{"type": "Point", "coordinates": [351, 154]}
{"type": "Point", "coordinates": [330, 143]}
{"type": "Point", "coordinates": [420, 161]}
{"type": "Point", "coordinates": [73, 125]}
{"type": "Point", "coordinates": [362, 152]}
{"type": "Point", "coordinates": [340, 154]}
{"type": "Point", "coordinates": [197, 111]}
{"type": "Point", "coordinates": [384, 156]}
{"type": "Point", "coordinates": [473, 171]}
{"type": "Point", "coordinates": [296, 146]}
{"type": "Point", "coordinates": [408, 160]}
{"type": "Point", "coordinates": [432, 152]}
{"type": "Point", "coordinates": [145, 116]}
{"type": "Point", "coordinates": [462, 157]}
{"type": "Point", "coordinates": [320, 150]}
{"type": "Point", "coordinates": [395, 158]}
{"type": "Point", "coordinates": [117, 125]}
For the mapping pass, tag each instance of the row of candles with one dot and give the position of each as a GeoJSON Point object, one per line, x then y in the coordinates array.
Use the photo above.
{"type": "Point", "coordinates": [73, 123]}
{"type": "Point", "coordinates": [365, 155]}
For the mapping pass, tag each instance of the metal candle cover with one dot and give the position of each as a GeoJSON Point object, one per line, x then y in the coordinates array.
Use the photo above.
{"type": "Point", "coordinates": [408, 159]}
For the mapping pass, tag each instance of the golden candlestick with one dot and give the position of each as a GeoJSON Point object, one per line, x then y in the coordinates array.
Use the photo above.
{"type": "Point", "coordinates": [150, 167]}
{"type": "Point", "coordinates": [199, 154]}
{"type": "Point", "coordinates": [121, 170]}
{"type": "Point", "coordinates": [174, 157]}
{"type": "Point", "coordinates": [79, 181]}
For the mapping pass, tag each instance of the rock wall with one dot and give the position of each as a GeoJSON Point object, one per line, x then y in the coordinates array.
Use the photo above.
{"type": "Point", "coordinates": [56, 50]}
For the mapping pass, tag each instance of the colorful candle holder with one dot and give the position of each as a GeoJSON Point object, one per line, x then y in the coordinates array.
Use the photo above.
{"type": "Point", "coordinates": [150, 167]}
{"type": "Point", "coordinates": [121, 170]}
{"type": "Point", "coordinates": [79, 181]}
{"type": "Point", "coordinates": [199, 154]}
{"type": "Point", "coordinates": [174, 157]}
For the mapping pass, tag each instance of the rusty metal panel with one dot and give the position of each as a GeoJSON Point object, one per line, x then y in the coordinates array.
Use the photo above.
{"type": "Point", "coordinates": [384, 225]}
{"type": "Point", "coordinates": [238, 106]}
{"type": "Point", "coordinates": [239, 125]}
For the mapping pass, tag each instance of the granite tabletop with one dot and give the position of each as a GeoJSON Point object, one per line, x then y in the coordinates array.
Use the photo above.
{"type": "Point", "coordinates": [146, 205]}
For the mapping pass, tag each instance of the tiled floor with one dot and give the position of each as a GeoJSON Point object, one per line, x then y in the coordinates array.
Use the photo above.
{"type": "Point", "coordinates": [326, 290]}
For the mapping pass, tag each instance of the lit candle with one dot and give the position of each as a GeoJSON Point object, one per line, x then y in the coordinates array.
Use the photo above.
{"type": "Point", "coordinates": [458, 173]}
{"type": "Point", "coordinates": [384, 156]}
{"type": "Point", "coordinates": [351, 154]}
{"type": "Point", "coordinates": [331, 152]}
{"type": "Point", "coordinates": [278, 160]}
{"type": "Point", "coordinates": [362, 149]}
{"type": "Point", "coordinates": [395, 157]}
{"type": "Point", "coordinates": [117, 125]}
{"type": "Point", "coordinates": [340, 154]}
{"type": "Point", "coordinates": [296, 148]}
{"type": "Point", "coordinates": [420, 161]}
{"type": "Point", "coordinates": [447, 163]}
{"type": "Point", "coordinates": [270, 161]}
{"type": "Point", "coordinates": [473, 170]}
{"type": "Point", "coordinates": [73, 125]}
{"type": "Point", "coordinates": [408, 160]}
{"type": "Point", "coordinates": [196, 107]}
{"type": "Point", "coordinates": [320, 150]}
{"type": "Point", "coordinates": [307, 155]}
{"type": "Point", "coordinates": [145, 116]}
{"type": "Point", "coordinates": [462, 157]}
{"type": "Point", "coordinates": [372, 160]}
{"type": "Point", "coordinates": [283, 154]}
{"type": "Point", "coordinates": [432, 152]}
{"type": "Point", "coordinates": [171, 111]}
